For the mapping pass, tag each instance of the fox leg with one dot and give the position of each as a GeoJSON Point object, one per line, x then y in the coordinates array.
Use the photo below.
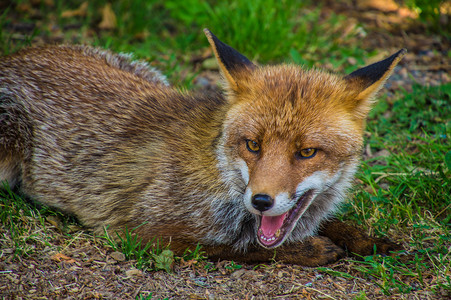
{"type": "Point", "coordinates": [354, 240]}
{"type": "Point", "coordinates": [313, 251]}
{"type": "Point", "coordinates": [329, 246]}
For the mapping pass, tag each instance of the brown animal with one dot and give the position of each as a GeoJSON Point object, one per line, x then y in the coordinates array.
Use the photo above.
{"type": "Point", "coordinates": [107, 139]}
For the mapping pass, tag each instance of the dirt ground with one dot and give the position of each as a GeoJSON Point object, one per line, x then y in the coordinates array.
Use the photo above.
{"type": "Point", "coordinates": [91, 270]}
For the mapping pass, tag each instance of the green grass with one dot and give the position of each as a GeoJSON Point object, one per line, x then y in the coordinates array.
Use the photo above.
{"type": "Point", "coordinates": [24, 222]}
{"type": "Point", "coordinates": [8, 42]}
{"type": "Point", "coordinates": [406, 192]}
{"type": "Point", "coordinates": [146, 297]}
{"type": "Point", "coordinates": [177, 26]}
{"type": "Point", "coordinates": [266, 22]}
{"type": "Point", "coordinates": [151, 256]}
{"type": "Point", "coordinates": [168, 33]}
{"type": "Point", "coordinates": [430, 14]}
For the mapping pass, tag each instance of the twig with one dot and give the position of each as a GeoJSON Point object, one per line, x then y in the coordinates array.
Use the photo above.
{"type": "Point", "coordinates": [322, 293]}
{"type": "Point", "coordinates": [383, 175]}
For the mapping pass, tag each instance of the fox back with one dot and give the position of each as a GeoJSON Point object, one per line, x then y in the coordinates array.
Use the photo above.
{"type": "Point", "coordinates": [108, 140]}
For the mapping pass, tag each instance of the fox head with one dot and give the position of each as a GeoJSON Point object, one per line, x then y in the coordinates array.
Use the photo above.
{"type": "Point", "coordinates": [294, 136]}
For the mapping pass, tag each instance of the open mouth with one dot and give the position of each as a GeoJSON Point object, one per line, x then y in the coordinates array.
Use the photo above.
{"type": "Point", "coordinates": [273, 230]}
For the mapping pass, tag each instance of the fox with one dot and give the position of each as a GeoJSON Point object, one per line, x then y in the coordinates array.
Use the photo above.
{"type": "Point", "coordinates": [252, 172]}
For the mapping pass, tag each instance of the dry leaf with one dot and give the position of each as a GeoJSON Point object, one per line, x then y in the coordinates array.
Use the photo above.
{"type": "Point", "coordinates": [108, 17]}
{"type": "Point", "coordinates": [382, 5]}
{"type": "Point", "coordinates": [59, 257]}
{"type": "Point", "coordinates": [189, 263]}
{"type": "Point", "coordinates": [23, 8]}
{"type": "Point", "coordinates": [133, 272]}
{"type": "Point", "coordinates": [55, 221]}
{"type": "Point", "coordinates": [142, 35]}
{"type": "Point", "coordinates": [50, 3]}
{"type": "Point", "coordinates": [79, 12]}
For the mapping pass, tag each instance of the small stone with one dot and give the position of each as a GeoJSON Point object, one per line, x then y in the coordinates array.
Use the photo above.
{"type": "Point", "coordinates": [238, 273]}
{"type": "Point", "coordinates": [250, 275]}
{"type": "Point", "coordinates": [210, 64]}
{"type": "Point", "coordinates": [133, 272]}
{"type": "Point", "coordinates": [119, 256]}
{"type": "Point", "coordinates": [202, 82]}
{"type": "Point", "coordinates": [382, 153]}
{"type": "Point", "coordinates": [352, 61]}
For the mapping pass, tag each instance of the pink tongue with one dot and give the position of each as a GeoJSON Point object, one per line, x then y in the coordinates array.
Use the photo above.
{"type": "Point", "coordinates": [270, 224]}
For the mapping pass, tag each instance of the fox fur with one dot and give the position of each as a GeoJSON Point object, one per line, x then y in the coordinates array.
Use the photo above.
{"type": "Point", "coordinates": [108, 140]}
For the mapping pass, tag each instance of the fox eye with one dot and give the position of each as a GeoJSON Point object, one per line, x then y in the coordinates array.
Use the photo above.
{"type": "Point", "coordinates": [306, 153]}
{"type": "Point", "coordinates": [252, 146]}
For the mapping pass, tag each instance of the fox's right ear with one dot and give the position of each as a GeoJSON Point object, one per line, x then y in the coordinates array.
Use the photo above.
{"type": "Point", "coordinates": [368, 80]}
{"type": "Point", "coordinates": [230, 61]}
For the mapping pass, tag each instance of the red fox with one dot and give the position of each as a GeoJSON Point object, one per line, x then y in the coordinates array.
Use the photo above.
{"type": "Point", "coordinates": [261, 166]}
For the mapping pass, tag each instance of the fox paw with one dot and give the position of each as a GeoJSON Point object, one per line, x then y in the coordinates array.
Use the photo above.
{"type": "Point", "coordinates": [371, 245]}
{"type": "Point", "coordinates": [313, 251]}
{"type": "Point", "coordinates": [355, 241]}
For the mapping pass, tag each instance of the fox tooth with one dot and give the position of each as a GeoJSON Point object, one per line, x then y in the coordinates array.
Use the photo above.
{"type": "Point", "coordinates": [277, 234]}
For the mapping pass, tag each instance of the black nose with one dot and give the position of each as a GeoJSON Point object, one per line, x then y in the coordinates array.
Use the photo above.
{"type": "Point", "coordinates": [262, 202]}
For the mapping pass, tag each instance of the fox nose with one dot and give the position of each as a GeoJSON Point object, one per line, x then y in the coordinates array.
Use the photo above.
{"type": "Point", "coordinates": [262, 202]}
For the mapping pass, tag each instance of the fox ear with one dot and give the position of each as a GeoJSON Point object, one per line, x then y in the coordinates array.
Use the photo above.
{"type": "Point", "coordinates": [230, 61]}
{"type": "Point", "coordinates": [371, 78]}
{"type": "Point", "coordinates": [368, 80]}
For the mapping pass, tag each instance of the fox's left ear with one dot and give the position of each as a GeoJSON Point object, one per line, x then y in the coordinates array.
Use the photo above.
{"type": "Point", "coordinates": [231, 62]}
{"type": "Point", "coordinates": [368, 80]}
